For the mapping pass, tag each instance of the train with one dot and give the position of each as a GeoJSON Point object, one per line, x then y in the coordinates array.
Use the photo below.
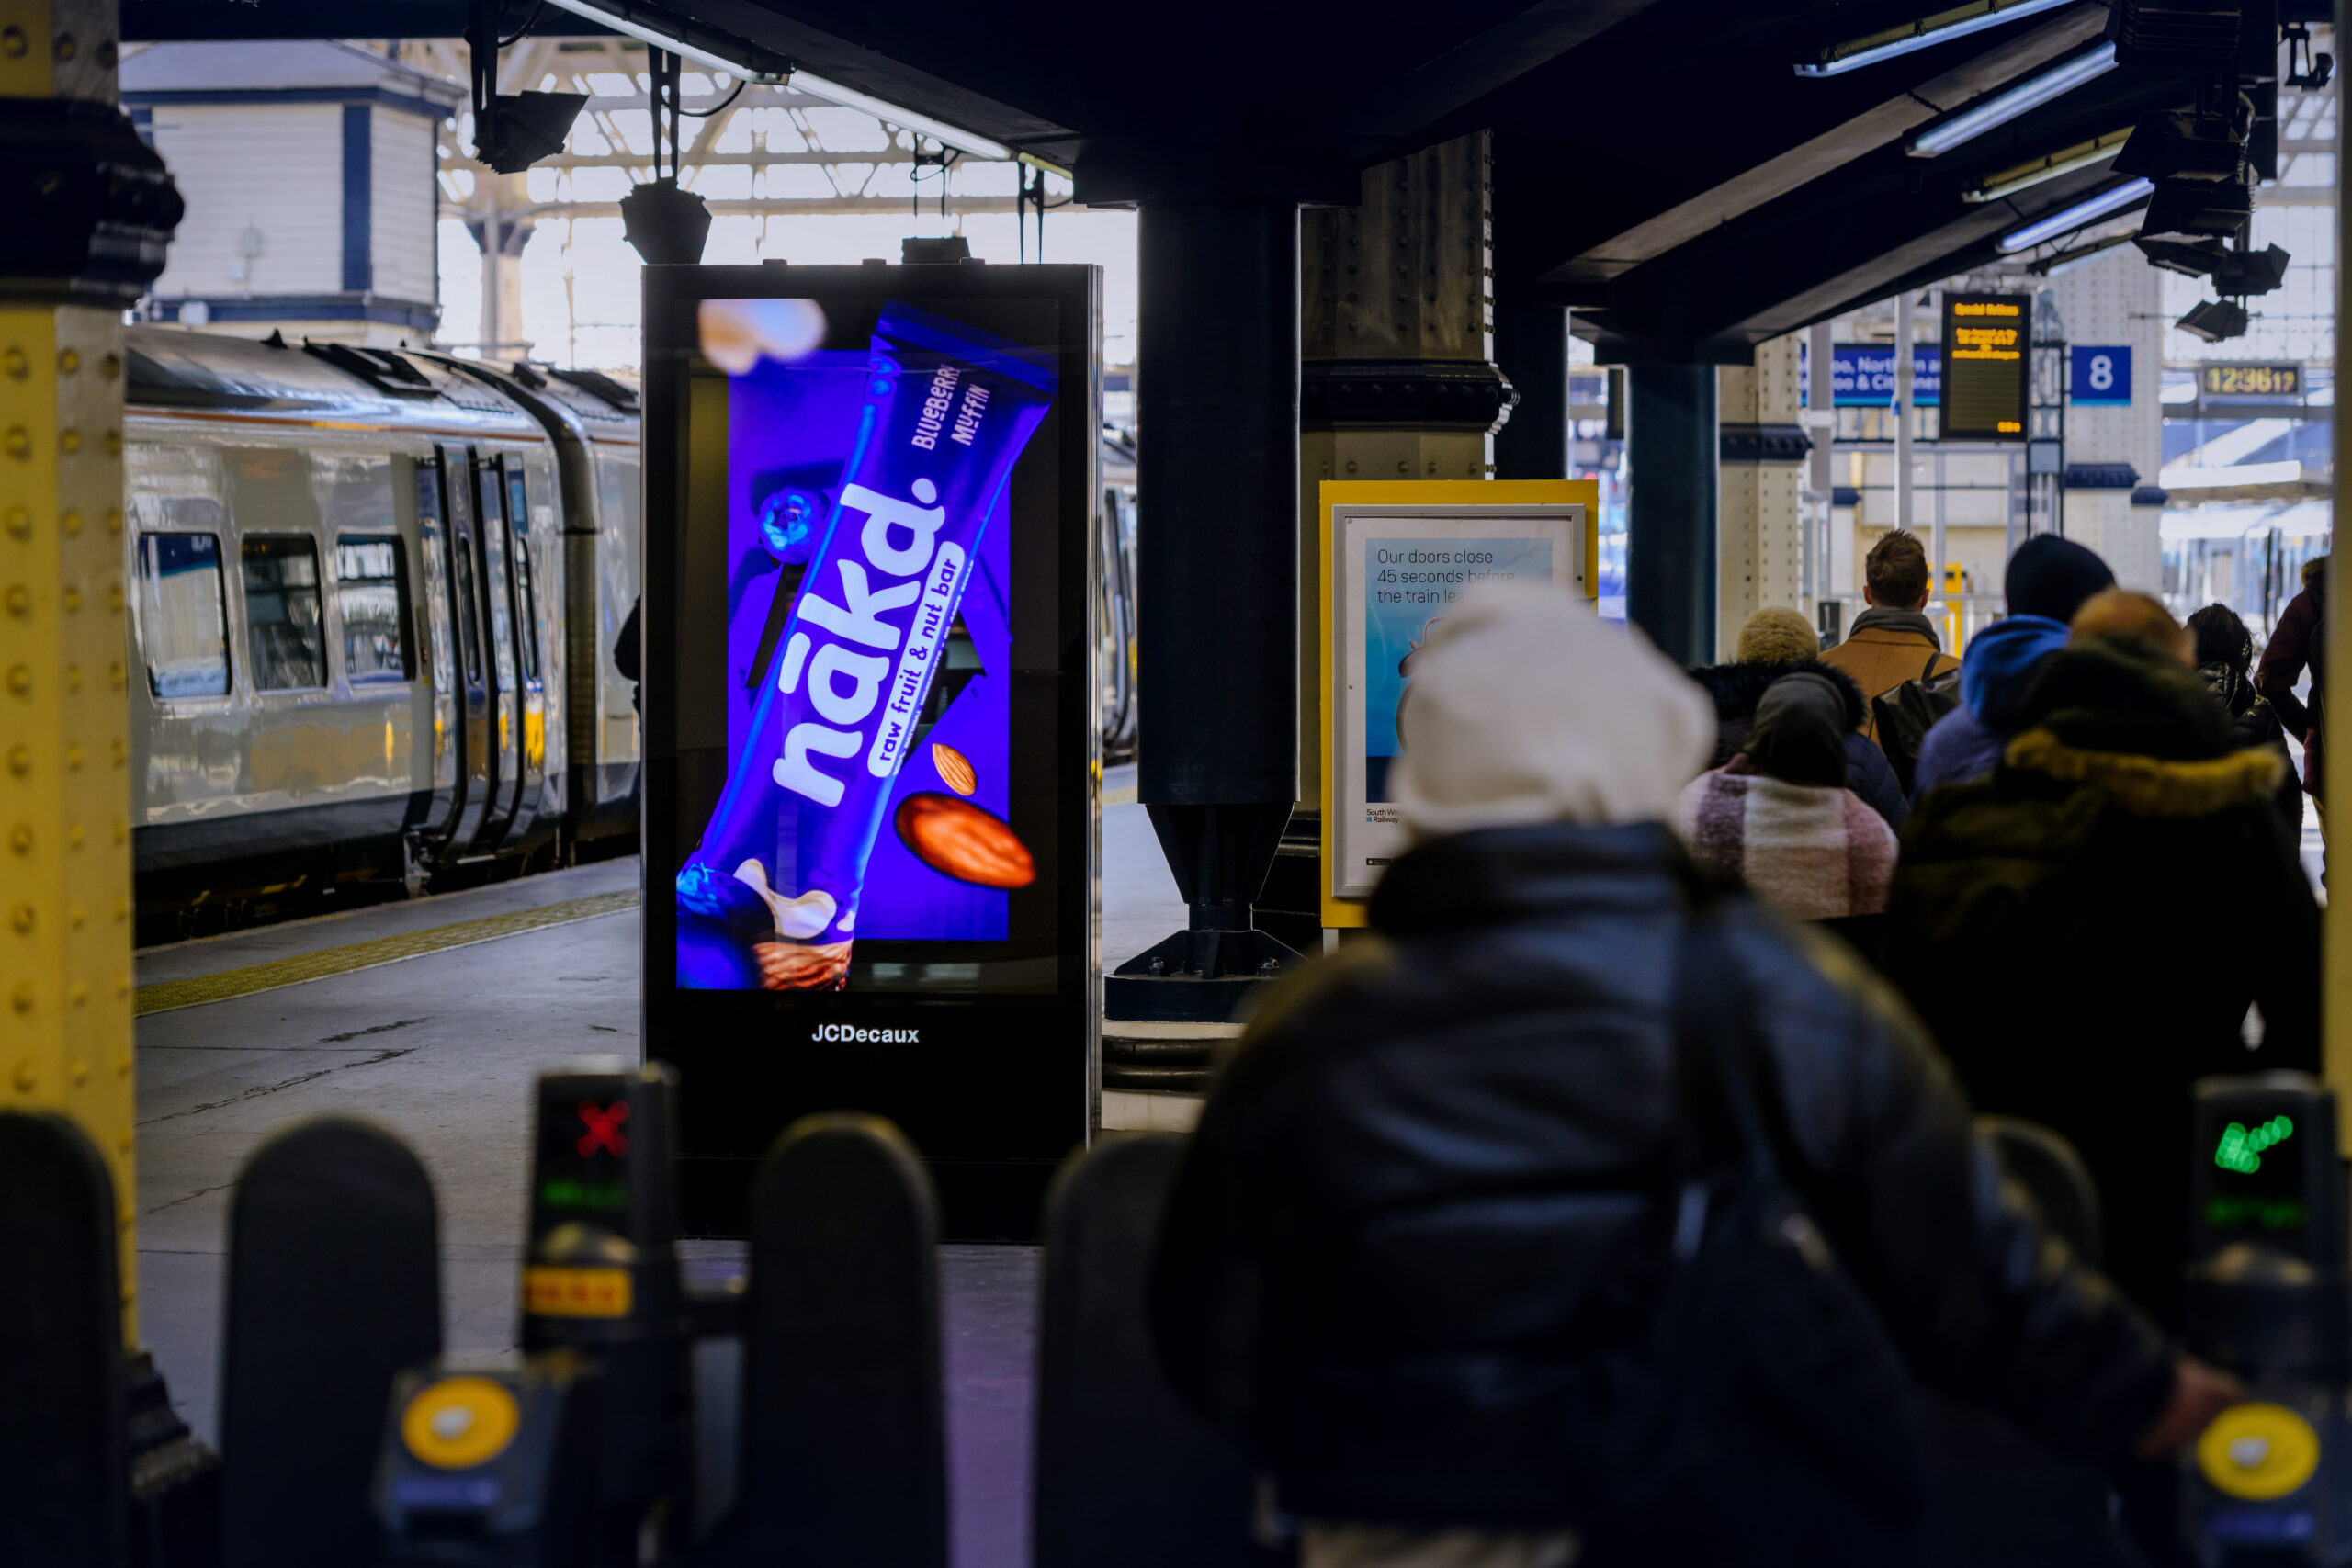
{"type": "Point", "coordinates": [376, 599]}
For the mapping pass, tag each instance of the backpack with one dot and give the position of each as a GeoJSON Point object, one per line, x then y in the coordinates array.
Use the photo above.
{"type": "Point", "coordinates": [1905, 714]}
{"type": "Point", "coordinates": [1762, 1399]}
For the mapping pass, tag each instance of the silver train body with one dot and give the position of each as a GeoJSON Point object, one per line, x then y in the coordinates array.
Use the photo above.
{"type": "Point", "coordinates": [374, 601]}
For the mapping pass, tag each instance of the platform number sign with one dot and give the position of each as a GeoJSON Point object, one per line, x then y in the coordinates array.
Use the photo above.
{"type": "Point", "coordinates": [2099, 375]}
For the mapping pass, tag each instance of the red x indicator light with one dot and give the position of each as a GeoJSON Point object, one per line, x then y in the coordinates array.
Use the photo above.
{"type": "Point", "coordinates": [603, 1127]}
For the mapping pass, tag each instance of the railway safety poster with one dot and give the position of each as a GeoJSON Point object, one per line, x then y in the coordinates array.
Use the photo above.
{"type": "Point", "coordinates": [1396, 556]}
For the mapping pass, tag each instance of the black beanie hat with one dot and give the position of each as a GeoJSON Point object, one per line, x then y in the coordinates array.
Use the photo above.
{"type": "Point", "coordinates": [2050, 576]}
{"type": "Point", "coordinates": [1800, 732]}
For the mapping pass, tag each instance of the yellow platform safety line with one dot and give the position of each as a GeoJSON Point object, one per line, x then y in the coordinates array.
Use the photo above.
{"type": "Point", "coordinates": [165, 996]}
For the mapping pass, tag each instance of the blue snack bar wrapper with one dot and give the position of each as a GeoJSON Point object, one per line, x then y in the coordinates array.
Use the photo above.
{"type": "Point", "coordinates": [770, 896]}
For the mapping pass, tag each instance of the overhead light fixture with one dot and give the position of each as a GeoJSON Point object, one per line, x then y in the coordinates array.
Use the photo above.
{"type": "Point", "coordinates": [2242, 273]}
{"type": "Point", "coordinates": [2066, 161]}
{"type": "Point", "coordinates": [522, 127]}
{"type": "Point", "coordinates": [2190, 258]}
{"type": "Point", "coordinates": [2068, 260]}
{"type": "Point", "coordinates": [2018, 99]}
{"type": "Point", "coordinates": [665, 224]}
{"type": "Point", "coordinates": [2198, 209]}
{"type": "Point", "coordinates": [2182, 144]}
{"type": "Point", "coordinates": [1925, 33]}
{"type": "Point", "coordinates": [2192, 35]}
{"type": "Point", "coordinates": [783, 73]}
{"type": "Point", "coordinates": [2215, 320]}
{"type": "Point", "coordinates": [2090, 209]}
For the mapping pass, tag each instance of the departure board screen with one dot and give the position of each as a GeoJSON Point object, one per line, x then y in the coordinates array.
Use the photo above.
{"type": "Point", "coordinates": [1986, 367]}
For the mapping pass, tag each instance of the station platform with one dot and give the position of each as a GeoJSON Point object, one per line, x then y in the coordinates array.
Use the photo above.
{"type": "Point", "coordinates": [432, 1018]}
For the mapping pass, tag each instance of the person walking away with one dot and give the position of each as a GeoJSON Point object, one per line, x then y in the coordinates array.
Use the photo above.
{"type": "Point", "coordinates": [2225, 663]}
{"type": "Point", "coordinates": [1893, 641]}
{"type": "Point", "coordinates": [2027, 908]}
{"type": "Point", "coordinates": [1776, 636]}
{"type": "Point", "coordinates": [1777, 818]}
{"type": "Point", "coordinates": [2297, 644]}
{"type": "Point", "coordinates": [1770, 647]}
{"type": "Point", "coordinates": [2046, 583]}
{"type": "Point", "coordinates": [629, 656]}
{"type": "Point", "coordinates": [1438, 1239]}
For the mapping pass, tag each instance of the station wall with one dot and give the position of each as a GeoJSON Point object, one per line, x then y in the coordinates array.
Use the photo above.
{"type": "Point", "coordinates": [275, 170]}
{"type": "Point", "coordinates": [2118, 298]}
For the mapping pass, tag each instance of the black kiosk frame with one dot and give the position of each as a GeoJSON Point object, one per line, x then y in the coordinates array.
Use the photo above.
{"type": "Point", "coordinates": [986, 1053]}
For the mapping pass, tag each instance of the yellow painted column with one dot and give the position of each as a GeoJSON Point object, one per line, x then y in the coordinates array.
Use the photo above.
{"type": "Point", "coordinates": [66, 914]}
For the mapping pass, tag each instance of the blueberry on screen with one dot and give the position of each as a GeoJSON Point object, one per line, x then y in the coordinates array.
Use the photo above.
{"type": "Point", "coordinates": [788, 521]}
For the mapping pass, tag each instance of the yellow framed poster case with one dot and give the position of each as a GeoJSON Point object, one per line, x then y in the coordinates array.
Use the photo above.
{"type": "Point", "coordinates": [1483, 527]}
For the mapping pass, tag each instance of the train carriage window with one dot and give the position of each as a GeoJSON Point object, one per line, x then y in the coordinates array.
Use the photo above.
{"type": "Point", "coordinates": [527, 592]}
{"type": "Point", "coordinates": [371, 592]}
{"type": "Point", "coordinates": [182, 622]}
{"type": "Point", "coordinates": [495, 568]}
{"type": "Point", "coordinates": [284, 638]}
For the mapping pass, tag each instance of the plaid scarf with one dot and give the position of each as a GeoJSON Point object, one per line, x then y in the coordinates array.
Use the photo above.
{"type": "Point", "coordinates": [1812, 852]}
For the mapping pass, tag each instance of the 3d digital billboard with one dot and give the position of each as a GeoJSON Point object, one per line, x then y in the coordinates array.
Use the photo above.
{"type": "Point", "coordinates": [870, 805]}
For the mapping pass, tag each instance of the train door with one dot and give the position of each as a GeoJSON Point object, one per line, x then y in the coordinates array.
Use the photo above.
{"type": "Point", "coordinates": [436, 630]}
{"type": "Point", "coordinates": [490, 563]}
{"type": "Point", "coordinates": [530, 637]}
{"type": "Point", "coordinates": [477, 759]}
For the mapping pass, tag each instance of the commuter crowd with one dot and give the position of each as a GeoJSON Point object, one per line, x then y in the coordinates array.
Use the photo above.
{"type": "Point", "coordinates": [1619, 1199]}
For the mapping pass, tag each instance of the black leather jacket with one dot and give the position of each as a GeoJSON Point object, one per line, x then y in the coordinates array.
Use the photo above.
{"type": "Point", "coordinates": [1419, 1160]}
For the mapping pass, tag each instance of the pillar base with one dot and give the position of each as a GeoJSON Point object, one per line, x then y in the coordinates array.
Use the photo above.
{"type": "Point", "coordinates": [1203, 974]}
{"type": "Point", "coordinates": [1196, 976]}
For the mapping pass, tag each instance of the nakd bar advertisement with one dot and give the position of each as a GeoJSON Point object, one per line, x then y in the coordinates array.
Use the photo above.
{"type": "Point", "coordinates": [873, 509]}
{"type": "Point", "coordinates": [869, 594]}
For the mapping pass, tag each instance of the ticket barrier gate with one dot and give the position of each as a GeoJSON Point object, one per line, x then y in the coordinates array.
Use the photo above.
{"type": "Point", "coordinates": [582, 1455]}
{"type": "Point", "coordinates": [2267, 1296]}
{"type": "Point", "coordinates": [577, 1456]}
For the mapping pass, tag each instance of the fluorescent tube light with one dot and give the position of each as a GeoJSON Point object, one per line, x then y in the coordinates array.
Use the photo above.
{"type": "Point", "coordinates": [657, 39]}
{"type": "Point", "coordinates": [1925, 33]}
{"type": "Point", "coordinates": [2068, 260]}
{"type": "Point", "coordinates": [2066, 161]}
{"type": "Point", "coordinates": [905, 119]}
{"type": "Point", "coordinates": [2115, 198]}
{"type": "Point", "coordinates": [800, 81]}
{"type": "Point", "coordinates": [2018, 99]}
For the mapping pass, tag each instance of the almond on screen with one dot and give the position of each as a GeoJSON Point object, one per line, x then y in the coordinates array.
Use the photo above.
{"type": "Point", "coordinates": [954, 768]}
{"type": "Point", "coordinates": [963, 841]}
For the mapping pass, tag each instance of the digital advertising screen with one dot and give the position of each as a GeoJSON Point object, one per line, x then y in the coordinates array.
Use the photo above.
{"type": "Point", "coordinates": [871, 810]}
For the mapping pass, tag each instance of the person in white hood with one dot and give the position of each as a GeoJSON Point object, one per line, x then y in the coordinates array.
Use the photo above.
{"type": "Point", "coordinates": [1427, 1260]}
{"type": "Point", "coordinates": [1524, 708]}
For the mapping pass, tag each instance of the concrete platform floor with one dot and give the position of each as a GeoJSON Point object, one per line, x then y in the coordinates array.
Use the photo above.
{"type": "Point", "coordinates": [442, 1049]}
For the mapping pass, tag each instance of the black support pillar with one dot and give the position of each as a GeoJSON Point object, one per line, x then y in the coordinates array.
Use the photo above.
{"type": "Point", "coordinates": [1531, 347]}
{"type": "Point", "coordinates": [1217, 603]}
{"type": "Point", "coordinates": [1670, 457]}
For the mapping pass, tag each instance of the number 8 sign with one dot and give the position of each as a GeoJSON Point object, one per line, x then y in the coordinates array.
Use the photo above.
{"type": "Point", "coordinates": [2099, 376]}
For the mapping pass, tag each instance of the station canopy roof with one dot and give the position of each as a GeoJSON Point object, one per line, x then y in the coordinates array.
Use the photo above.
{"type": "Point", "coordinates": [1661, 166]}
